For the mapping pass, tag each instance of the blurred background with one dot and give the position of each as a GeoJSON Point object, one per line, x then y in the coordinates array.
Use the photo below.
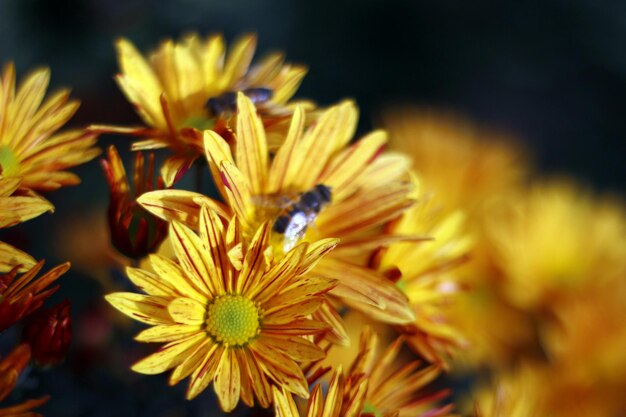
{"type": "Point", "coordinates": [551, 73]}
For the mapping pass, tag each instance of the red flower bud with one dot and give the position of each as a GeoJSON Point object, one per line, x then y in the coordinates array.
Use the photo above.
{"type": "Point", "coordinates": [134, 231]}
{"type": "Point", "coordinates": [49, 332]}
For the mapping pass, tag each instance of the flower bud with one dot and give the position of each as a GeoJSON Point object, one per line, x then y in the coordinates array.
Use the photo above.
{"type": "Point", "coordinates": [49, 333]}
{"type": "Point", "coordinates": [134, 231]}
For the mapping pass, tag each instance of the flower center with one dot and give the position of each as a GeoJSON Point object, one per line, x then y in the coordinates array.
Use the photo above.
{"type": "Point", "coordinates": [9, 164]}
{"type": "Point", "coordinates": [370, 409]}
{"type": "Point", "coordinates": [233, 319]}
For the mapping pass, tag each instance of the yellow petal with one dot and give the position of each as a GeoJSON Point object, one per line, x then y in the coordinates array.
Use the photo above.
{"type": "Point", "coordinates": [238, 61]}
{"type": "Point", "coordinates": [187, 311]}
{"type": "Point", "coordinates": [167, 333]}
{"type": "Point", "coordinates": [189, 252]}
{"type": "Point", "coordinates": [237, 191]}
{"type": "Point", "coordinates": [227, 381]}
{"type": "Point", "coordinates": [205, 372]}
{"type": "Point", "coordinates": [173, 275]}
{"type": "Point", "coordinates": [145, 308]}
{"type": "Point", "coordinates": [284, 405]}
{"type": "Point", "coordinates": [167, 357]}
{"type": "Point", "coordinates": [350, 164]}
{"type": "Point", "coordinates": [251, 145]}
{"type": "Point", "coordinates": [254, 263]}
{"type": "Point", "coordinates": [11, 257]}
{"type": "Point", "coordinates": [180, 205]}
{"type": "Point", "coordinates": [149, 282]}
{"type": "Point", "coordinates": [279, 170]}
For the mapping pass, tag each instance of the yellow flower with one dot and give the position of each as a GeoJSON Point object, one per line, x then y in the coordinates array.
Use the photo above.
{"type": "Point", "coordinates": [364, 191]}
{"type": "Point", "coordinates": [226, 314]}
{"type": "Point", "coordinates": [554, 240]}
{"type": "Point", "coordinates": [187, 86]}
{"type": "Point", "coordinates": [427, 273]}
{"type": "Point", "coordinates": [29, 147]}
{"type": "Point", "coordinates": [463, 164]}
{"type": "Point", "coordinates": [376, 385]}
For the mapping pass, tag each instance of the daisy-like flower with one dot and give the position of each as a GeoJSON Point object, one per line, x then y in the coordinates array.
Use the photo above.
{"type": "Point", "coordinates": [20, 296]}
{"type": "Point", "coordinates": [427, 273]}
{"type": "Point", "coordinates": [16, 206]}
{"type": "Point", "coordinates": [187, 86]}
{"type": "Point", "coordinates": [227, 314]}
{"type": "Point", "coordinates": [376, 385]}
{"type": "Point", "coordinates": [29, 147]}
{"type": "Point", "coordinates": [134, 231]}
{"type": "Point", "coordinates": [315, 183]}
{"type": "Point", "coordinates": [11, 367]}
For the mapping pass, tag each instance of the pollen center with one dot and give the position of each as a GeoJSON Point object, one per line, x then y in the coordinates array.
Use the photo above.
{"type": "Point", "coordinates": [9, 164]}
{"type": "Point", "coordinates": [232, 319]}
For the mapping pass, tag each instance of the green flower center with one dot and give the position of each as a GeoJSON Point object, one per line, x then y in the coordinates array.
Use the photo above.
{"type": "Point", "coordinates": [233, 319]}
{"type": "Point", "coordinates": [199, 123]}
{"type": "Point", "coordinates": [370, 409]}
{"type": "Point", "coordinates": [9, 164]}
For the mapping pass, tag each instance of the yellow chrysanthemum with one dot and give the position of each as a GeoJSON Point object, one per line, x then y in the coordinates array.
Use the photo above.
{"type": "Point", "coordinates": [376, 385]}
{"type": "Point", "coordinates": [368, 189]}
{"type": "Point", "coordinates": [427, 273]}
{"type": "Point", "coordinates": [29, 147]}
{"type": "Point", "coordinates": [227, 314]}
{"type": "Point", "coordinates": [463, 164]}
{"type": "Point", "coordinates": [174, 89]}
{"type": "Point", "coordinates": [553, 240]}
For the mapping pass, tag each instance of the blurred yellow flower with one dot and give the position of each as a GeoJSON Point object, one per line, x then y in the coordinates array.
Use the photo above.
{"type": "Point", "coordinates": [356, 190]}
{"type": "Point", "coordinates": [227, 314]}
{"type": "Point", "coordinates": [461, 163]}
{"type": "Point", "coordinates": [554, 240]}
{"type": "Point", "coordinates": [29, 147]}
{"type": "Point", "coordinates": [187, 86]}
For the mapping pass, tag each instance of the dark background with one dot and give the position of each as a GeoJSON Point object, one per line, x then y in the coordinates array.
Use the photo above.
{"type": "Point", "coordinates": [552, 72]}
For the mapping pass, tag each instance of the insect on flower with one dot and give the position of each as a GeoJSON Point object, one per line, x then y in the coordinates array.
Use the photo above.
{"type": "Point", "coordinates": [227, 102]}
{"type": "Point", "coordinates": [297, 215]}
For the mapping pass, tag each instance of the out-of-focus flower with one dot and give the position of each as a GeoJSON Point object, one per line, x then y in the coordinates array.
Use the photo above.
{"type": "Point", "coordinates": [188, 86]}
{"type": "Point", "coordinates": [315, 186]}
{"type": "Point", "coordinates": [426, 273]}
{"type": "Point", "coordinates": [10, 369]}
{"type": "Point", "coordinates": [20, 296]}
{"type": "Point", "coordinates": [586, 347]}
{"type": "Point", "coordinates": [29, 147]}
{"type": "Point", "coordinates": [49, 333]}
{"type": "Point", "coordinates": [134, 231]}
{"type": "Point", "coordinates": [463, 164]}
{"type": "Point", "coordinates": [554, 240]}
{"type": "Point", "coordinates": [227, 314]}
{"type": "Point", "coordinates": [375, 385]}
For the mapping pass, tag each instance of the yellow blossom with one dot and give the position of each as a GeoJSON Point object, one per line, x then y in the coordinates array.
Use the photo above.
{"type": "Point", "coordinates": [187, 86]}
{"type": "Point", "coordinates": [29, 148]}
{"type": "Point", "coordinates": [227, 314]}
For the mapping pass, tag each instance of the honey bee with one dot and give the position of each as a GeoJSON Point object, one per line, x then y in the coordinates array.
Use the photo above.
{"type": "Point", "coordinates": [293, 221]}
{"type": "Point", "coordinates": [227, 102]}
